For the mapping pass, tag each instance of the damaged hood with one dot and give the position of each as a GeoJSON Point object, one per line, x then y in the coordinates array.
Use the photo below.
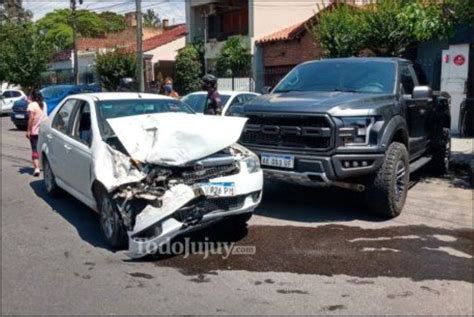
{"type": "Point", "coordinates": [175, 138]}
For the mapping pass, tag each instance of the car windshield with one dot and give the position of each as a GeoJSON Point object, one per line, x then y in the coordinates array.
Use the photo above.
{"type": "Point", "coordinates": [55, 92]}
{"type": "Point", "coordinates": [197, 102]}
{"type": "Point", "coordinates": [109, 109]}
{"type": "Point", "coordinates": [375, 77]}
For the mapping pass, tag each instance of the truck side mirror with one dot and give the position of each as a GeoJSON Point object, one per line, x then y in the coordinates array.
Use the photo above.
{"type": "Point", "coordinates": [266, 90]}
{"type": "Point", "coordinates": [422, 92]}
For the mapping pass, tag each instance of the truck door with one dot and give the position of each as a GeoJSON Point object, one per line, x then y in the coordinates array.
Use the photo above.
{"type": "Point", "coordinates": [417, 112]}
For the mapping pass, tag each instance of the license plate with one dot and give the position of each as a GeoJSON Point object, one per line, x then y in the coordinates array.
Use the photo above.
{"type": "Point", "coordinates": [219, 189]}
{"type": "Point", "coordinates": [19, 116]}
{"type": "Point", "coordinates": [283, 161]}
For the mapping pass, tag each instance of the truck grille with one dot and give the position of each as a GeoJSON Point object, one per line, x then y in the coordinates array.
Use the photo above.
{"type": "Point", "coordinates": [297, 132]}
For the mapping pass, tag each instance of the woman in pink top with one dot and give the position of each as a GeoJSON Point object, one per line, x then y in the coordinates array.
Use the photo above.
{"type": "Point", "coordinates": [35, 116]}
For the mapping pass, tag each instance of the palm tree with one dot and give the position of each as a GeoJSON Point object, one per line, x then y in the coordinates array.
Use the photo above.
{"type": "Point", "coordinates": [151, 18]}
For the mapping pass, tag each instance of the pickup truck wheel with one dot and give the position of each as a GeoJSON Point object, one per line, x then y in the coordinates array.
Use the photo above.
{"type": "Point", "coordinates": [111, 223]}
{"type": "Point", "coordinates": [442, 153]}
{"type": "Point", "coordinates": [386, 192]}
{"type": "Point", "coordinates": [49, 179]}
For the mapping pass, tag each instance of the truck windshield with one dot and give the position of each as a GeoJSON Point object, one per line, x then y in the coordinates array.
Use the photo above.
{"type": "Point", "coordinates": [341, 75]}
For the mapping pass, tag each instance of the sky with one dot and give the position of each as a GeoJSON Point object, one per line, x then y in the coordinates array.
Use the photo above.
{"type": "Point", "coordinates": [167, 9]}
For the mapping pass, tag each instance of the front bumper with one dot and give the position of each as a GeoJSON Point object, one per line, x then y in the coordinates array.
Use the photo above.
{"type": "Point", "coordinates": [324, 170]}
{"type": "Point", "coordinates": [18, 121]}
{"type": "Point", "coordinates": [165, 226]}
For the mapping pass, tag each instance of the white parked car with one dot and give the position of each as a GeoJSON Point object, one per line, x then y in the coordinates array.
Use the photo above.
{"type": "Point", "coordinates": [151, 167]}
{"type": "Point", "coordinates": [8, 98]}
{"type": "Point", "coordinates": [197, 100]}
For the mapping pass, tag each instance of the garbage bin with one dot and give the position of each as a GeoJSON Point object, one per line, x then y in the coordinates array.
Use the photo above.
{"type": "Point", "coordinates": [466, 118]}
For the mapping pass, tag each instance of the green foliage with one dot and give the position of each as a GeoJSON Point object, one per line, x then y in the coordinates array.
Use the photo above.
{"type": "Point", "coordinates": [188, 70]}
{"type": "Point", "coordinates": [151, 18]}
{"type": "Point", "coordinates": [13, 12]}
{"type": "Point", "coordinates": [112, 21]}
{"type": "Point", "coordinates": [387, 28]}
{"type": "Point", "coordinates": [340, 32]}
{"type": "Point", "coordinates": [113, 66]}
{"type": "Point", "coordinates": [234, 59]}
{"type": "Point", "coordinates": [461, 11]}
{"type": "Point", "coordinates": [24, 54]}
{"type": "Point", "coordinates": [57, 26]}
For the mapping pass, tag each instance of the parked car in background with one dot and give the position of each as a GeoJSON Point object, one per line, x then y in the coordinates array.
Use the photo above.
{"type": "Point", "coordinates": [8, 97]}
{"type": "Point", "coordinates": [188, 173]}
{"type": "Point", "coordinates": [197, 100]}
{"type": "Point", "coordinates": [52, 95]}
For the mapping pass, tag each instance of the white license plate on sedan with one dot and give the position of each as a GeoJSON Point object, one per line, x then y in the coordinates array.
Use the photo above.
{"type": "Point", "coordinates": [282, 161]}
{"type": "Point", "coordinates": [19, 116]}
{"type": "Point", "coordinates": [226, 189]}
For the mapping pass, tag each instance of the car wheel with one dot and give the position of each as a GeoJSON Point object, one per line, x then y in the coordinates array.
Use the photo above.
{"type": "Point", "coordinates": [49, 179]}
{"type": "Point", "coordinates": [442, 153]}
{"type": "Point", "coordinates": [111, 223]}
{"type": "Point", "coordinates": [386, 192]}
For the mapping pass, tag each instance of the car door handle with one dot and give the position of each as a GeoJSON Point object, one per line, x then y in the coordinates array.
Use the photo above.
{"type": "Point", "coordinates": [67, 147]}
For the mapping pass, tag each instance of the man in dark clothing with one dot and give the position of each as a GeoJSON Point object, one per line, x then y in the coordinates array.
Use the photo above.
{"type": "Point", "coordinates": [213, 100]}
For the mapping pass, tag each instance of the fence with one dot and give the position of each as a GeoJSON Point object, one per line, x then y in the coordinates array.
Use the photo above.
{"type": "Point", "coordinates": [237, 84]}
{"type": "Point", "coordinates": [66, 77]}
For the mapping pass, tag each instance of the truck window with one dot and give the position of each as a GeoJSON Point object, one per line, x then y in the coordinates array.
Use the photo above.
{"type": "Point", "coordinates": [407, 80]}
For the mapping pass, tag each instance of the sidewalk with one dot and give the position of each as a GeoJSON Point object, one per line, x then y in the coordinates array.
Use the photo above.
{"type": "Point", "coordinates": [462, 151]}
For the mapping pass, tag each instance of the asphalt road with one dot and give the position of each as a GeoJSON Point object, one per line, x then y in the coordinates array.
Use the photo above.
{"type": "Point", "coordinates": [316, 252]}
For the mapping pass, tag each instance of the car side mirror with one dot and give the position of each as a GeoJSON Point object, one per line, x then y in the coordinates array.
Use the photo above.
{"type": "Point", "coordinates": [266, 90]}
{"type": "Point", "coordinates": [422, 92]}
{"type": "Point", "coordinates": [236, 110]}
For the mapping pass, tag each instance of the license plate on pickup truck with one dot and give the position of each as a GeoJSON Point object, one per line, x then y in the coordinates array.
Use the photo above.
{"type": "Point", "coordinates": [219, 189]}
{"type": "Point", "coordinates": [283, 161]}
{"type": "Point", "coordinates": [19, 116]}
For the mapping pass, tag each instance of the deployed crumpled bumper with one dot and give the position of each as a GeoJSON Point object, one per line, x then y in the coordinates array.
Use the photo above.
{"type": "Point", "coordinates": [156, 226]}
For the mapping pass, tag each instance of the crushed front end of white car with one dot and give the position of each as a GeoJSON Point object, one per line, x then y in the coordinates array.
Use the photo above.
{"type": "Point", "coordinates": [171, 173]}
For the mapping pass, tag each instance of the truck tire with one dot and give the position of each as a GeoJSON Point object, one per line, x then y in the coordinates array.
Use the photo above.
{"type": "Point", "coordinates": [387, 190]}
{"type": "Point", "coordinates": [441, 153]}
{"type": "Point", "coordinates": [111, 223]}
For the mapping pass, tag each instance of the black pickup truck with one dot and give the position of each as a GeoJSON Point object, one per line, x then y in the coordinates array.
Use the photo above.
{"type": "Point", "coordinates": [357, 123]}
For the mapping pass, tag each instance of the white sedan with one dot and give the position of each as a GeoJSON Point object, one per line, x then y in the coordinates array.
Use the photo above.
{"type": "Point", "coordinates": [151, 167]}
{"type": "Point", "coordinates": [8, 98]}
{"type": "Point", "coordinates": [197, 100]}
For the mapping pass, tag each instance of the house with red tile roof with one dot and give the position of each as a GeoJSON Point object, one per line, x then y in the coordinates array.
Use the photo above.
{"type": "Point", "coordinates": [160, 47]}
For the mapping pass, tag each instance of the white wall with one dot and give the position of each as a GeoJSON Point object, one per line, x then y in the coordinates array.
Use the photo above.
{"type": "Point", "coordinates": [168, 51]}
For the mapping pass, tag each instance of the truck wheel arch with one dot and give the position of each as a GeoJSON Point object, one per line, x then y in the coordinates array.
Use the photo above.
{"type": "Point", "coordinates": [396, 131]}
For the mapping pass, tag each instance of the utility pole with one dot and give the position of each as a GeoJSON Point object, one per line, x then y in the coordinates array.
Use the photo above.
{"type": "Point", "coordinates": [74, 39]}
{"type": "Point", "coordinates": [205, 16]}
{"type": "Point", "coordinates": [140, 73]}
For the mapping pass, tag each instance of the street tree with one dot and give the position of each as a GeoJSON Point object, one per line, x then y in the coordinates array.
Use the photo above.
{"type": "Point", "coordinates": [112, 21]}
{"type": "Point", "coordinates": [234, 59]}
{"type": "Point", "coordinates": [23, 59]}
{"type": "Point", "coordinates": [111, 67]}
{"type": "Point", "coordinates": [340, 32]}
{"type": "Point", "coordinates": [188, 70]}
{"type": "Point", "coordinates": [151, 18]}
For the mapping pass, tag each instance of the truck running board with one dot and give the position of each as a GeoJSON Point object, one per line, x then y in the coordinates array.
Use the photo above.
{"type": "Point", "coordinates": [422, 161]}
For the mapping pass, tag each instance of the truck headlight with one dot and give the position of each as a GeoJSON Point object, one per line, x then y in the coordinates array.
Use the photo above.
{"type": "Point", "coordinates": [253, 164]}
{"type": "Point", "coordinates": [356, 130]}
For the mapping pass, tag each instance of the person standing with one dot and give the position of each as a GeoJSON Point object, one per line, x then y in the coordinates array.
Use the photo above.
{"type": "Point", "coordinates": [213, 100]}
{"type": "Point", "coordinates": [168, 88]}
{"type": "Point", "coordinates": [36, 114]}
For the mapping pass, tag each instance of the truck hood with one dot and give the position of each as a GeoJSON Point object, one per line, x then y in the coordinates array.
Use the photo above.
{"type": "Point", "coordinates": [334, 103]}
{"type": "Point", "coordinates": [175, 139]}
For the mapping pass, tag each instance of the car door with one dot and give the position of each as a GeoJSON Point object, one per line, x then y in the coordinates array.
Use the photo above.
{"type": "Point", "coordinates": [8, 99]}
{"type": "Point", "coordinates": [79, 155]}
{"type": "Point", "coordinates": [417, 111]}
{"type": "Point", "coordinates": [56, 138]}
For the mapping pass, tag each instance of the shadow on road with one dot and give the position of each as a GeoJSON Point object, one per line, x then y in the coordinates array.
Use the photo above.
{"type": "Point", "coordinates": [85, 220]}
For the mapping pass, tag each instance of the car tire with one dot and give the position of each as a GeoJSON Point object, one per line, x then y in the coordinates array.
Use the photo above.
{"type": "Point", "coordinates": [50, 180]}
{"type": "Point", "coordinates": [111, 223]}
{"type": "Point", "coordinates": [441, 153]}
{"type": "Point", "coordinates": [386, 192]}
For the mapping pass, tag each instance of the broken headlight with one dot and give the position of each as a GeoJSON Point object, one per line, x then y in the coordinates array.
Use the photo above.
{"type": "Point", "coordinates": [355, 130]}
{"type": "Point", "coordinates": [253, 164]}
